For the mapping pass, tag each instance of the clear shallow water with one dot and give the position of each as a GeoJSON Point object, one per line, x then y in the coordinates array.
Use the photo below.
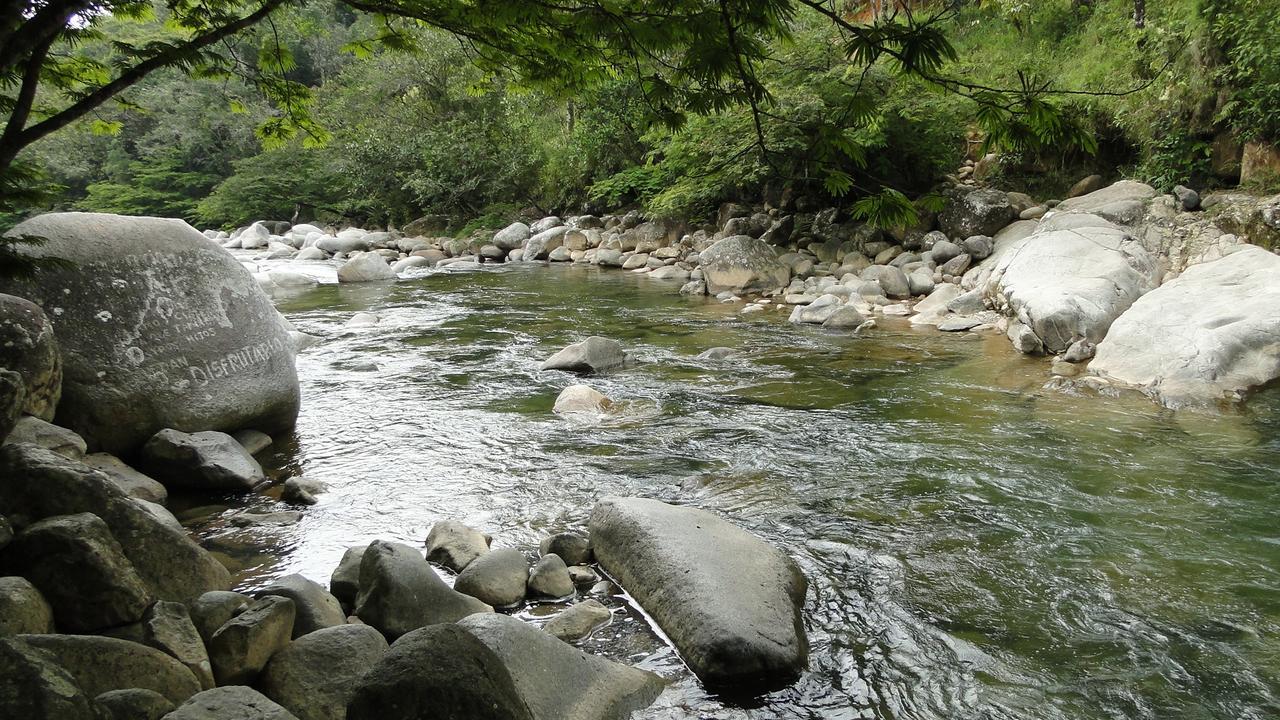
{"type": "Point", "coordinates": [977, 546]}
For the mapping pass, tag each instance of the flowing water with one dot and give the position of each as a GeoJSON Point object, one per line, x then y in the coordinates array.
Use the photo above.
{"type": "Point", "coordinates": [977, 546]}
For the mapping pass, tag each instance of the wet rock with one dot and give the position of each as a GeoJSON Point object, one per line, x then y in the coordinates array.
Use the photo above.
{"type": "Point", "coordinates": [582, 576]}
{"type": "Point", "coordinates": [202, 461]}
{"type": "Point", "coordinates": [454, 545]}
{"type": "Point", "coordinates": [132, 482]}
{"type": "Point", "coordinates": [102, 664]}
{"type": "Point", "coordinates": [741, 264]}
{"type": "Point", "coordinates": [33, 430]}
{"type": "Point", "coordinates": [980, 212]}
{"type": "Point", "coordinates": [578, 621]}
{"type": "Point", "coordinates": [550, 578]}
{"type": "Point", "coordinates": [572, 547]}
{"type": "Point", "coordinates": [730, 602]}
{"type": "Point", "coordinates": [439, 671]}
{"type": "Point", "coordinates": [34, 687]}
{"type": "Point", "coordinates": [134, 704]}
{"type": "Point", "coordinates": [29, 348]}
{"type": "Point", "coordinates": [496, 578]}
{"type": "Point", "coordinates": [167, 627]}
{"type": "Point", "coordinates": [1206, 336]}
{"type": "Point", "coordinates": [717, 353]}
{"type": "Point", "coordinates": [266, 519]}
{"type": "Point", "coordinates": [580, 399]}
{"type": "Point", "coordinates": [234, 702]}
{"type": "Point", "coordinates": [316, 675]}
{"type": "Point", "coordinates": [1024, 339]}
{"type": "Point", "coordinates": [593, 355]}
{"type": "Point", "coordinates": [399, 592]}
{"type": "Point", "coordinates": [252, 441]}
{"type": "Point", "coordinates": [314, 607]}
{"type": "Point", "coordinates": [1080, 351]}
{"type": "Point", "coordinates": [365, 267]}
{"type": "Point", "coordinates": [213, 609]}
{"type": "Point", "coordinates": [959, 323]}
{"type": "Point", "coordinates": [243, 645]}
{"type": "Point", "coordinates": [23, 610]}
{"type": "Point", "coordinates": [559, 682]}
{"type": "Point", "coordinates": [302, 490]}
{"type": "Point", "coordinates": [843, 318]}
{"type": "Point", "coordinates": [81, 571]}
{"type": "Point", "coordinates": [158, 328]}
{"type": "Point", "coordinates": [344, 584]}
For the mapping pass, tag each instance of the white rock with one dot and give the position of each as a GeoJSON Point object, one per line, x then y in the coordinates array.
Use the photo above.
{"type": "Point", "coordinates": [580, 399]}
{"type": "Point", "coordinates": [365, 267]}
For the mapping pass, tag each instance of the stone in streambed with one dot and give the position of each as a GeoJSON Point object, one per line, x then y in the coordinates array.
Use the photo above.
{"type": "Point", "coordinates": [167, 627]}
{"type": "Point", "coordinates": [558, 681]}
{"type": "Point", "coordinates": [741, 264]}
{"type": "Point", "coordinates": [399, 592]}
{"type": "Point", "coordinates": [302, 490]}
{"type": "Point", "coordinates": [134, 704]}
{"type": "Point", "coordinates": [730, 602]}
{"type": "Point", "coordinates": [252, 441]}
{"type": "Point", "coordinates": [454, 545]}
{"type": "Point", "coordinates": [101, 664]}
{"type": "Point", "coordinates": [158, 328]}
{"type": "Point", "coordinates": [202, 461]}
{"type": "Point", "coordinates": [243, 645]}
{"type": "Point", "coordinates": [234, 702]}
{"type": "Point", "coordinates": [35, 431]}
{"type": "Point", "coordinates": [315, 607]}
{"type": "Point", "coordinates": [365, 267]}
{"type": "Point", "coordinates": [33, 685]}
{"type": "Point", "coordinates": [572, 547]}
{"type": "Point", "coordinates": [317, 675]}
{"type": "Point", "coordinates": [578, 621]}
{"type": "Point", "coordinates": [133, 483]}
{"type": "Point", "coordinates": [23, 610]}
{"type": "Point", "coordinates": [580, 399]}
{"type": "Point", "coordinates": [497, 578]}
{"type": "Point", "coordinates": [81, 571]}
{"type": "Point", "coordinates": [550, 578]}
{"type": "Point", "coordinates": [213, 609]}
{"type": "Point", "coordinates": [593, 355]}
{"type": "Point", "coordinates": [344, 583]}
{"type": "Point", "coordinates": [441, 671]}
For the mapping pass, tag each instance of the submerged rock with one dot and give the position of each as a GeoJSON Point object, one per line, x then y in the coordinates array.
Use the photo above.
{"type": "Point", "coordinates": [730, 602]}
{"type": "Point", "coordinates": [578, 621]}
{"type": "Point", "coordinates": [580, 399]}
{"type": "Point", "coordinates": [158, 328]}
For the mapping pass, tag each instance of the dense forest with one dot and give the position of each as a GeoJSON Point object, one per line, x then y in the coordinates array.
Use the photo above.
{"type": "Point", "coordinates": [402, 120]}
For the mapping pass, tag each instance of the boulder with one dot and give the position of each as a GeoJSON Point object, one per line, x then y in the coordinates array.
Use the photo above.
{"type": "Point", "coordinates": [344, 584]}
{"type": "Point", "coordinates": [252, 440]}
{"type": "Point", "coordinates": [29, 348]}
{"type": "Point", "coordinates": [1071, 278]}
{"type": "Point", "coordinates": [167, 627]}
{"type": "Point", "coordinates": [201, 461]}
{"type": "Point", "coordinates": [441, 671]}
{"type": "Point", "coordinates": [1123, 203]}
{"type": "Point", "coordinates": [133, 483]}
{"type": "Point", "coordinates": [235, 702]}
{"type": "Point", "coordinates": [302, 490]}
{"type": "Point", "coordinates": [593, 355]}
{"type": "Point", "coordinates": [730, 603]}
{"type": "Point", "coordinates": [158, 328]}
{"type": "Point", "coordinates": [23, 610]}
{"type": "Point", "coordinates": [365, 267]}
{"type": "Point", "coordinates": [317, 675]}
{"type": "Point", "coordinates": [980, 212]}
{"type": "Point", "coordinates": [549, 578]}
{"type": "Point", "coordinates": [741, 264]}
{"type": "Point", "coordinates": [454, 545]}
{"type": "Point", "coordinates": [578, 621]}
{"type": "Point", "coordinates": [243, 645]}
{"type": "Point", "coordinates": [496, 578]}
{"type": "Point", "coordinates": [13, 396]}
{"type": "Point", "coordinates": [512, 236]}
{"type": "Point", "coordinates": [645, 237]}
{"type": "Point", "coordinates": [399, 592]}
{"type": "Point", "coordinates": [580, 399]}
{"type": "Point", "coordinates": [134, 704]}
{"type": "Point", "coordinates": [844, 317]}
{"type": "Point", "coordinates": [315, 607]}
{"type": "Point", "coordinates": [81, 571]}
{"type": "Point", "coordinates": [540, 245]}
{"type": "Point", "coordinates": [33, 430]}
{"type": "Point", "coordinates": [572, 547]}
{"type": "Point", "coordinates": [557, 681]}
{"type": "Point", "coordinates": [894, 283]}
{"type": "Point", "coordinates": [101, 664]}
{"type": "Point", "coordinates": [348, 241]}
{"type": "Point", "coordinates": [1206, 336]}
{"type": "Point", "coordinates": [34, 687]}
{"type": "Point", "coordinates": [1086, 185]}
{"type": "Point", "coordinates": [213, 609]}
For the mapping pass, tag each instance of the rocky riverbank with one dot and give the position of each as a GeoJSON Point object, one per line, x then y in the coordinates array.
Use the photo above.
{"type": "Point", "coordinates": [1054, 276]}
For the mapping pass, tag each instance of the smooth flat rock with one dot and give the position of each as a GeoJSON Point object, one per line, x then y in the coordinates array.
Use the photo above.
{"type": "Point", "coordinates": [315, 676]}
{"type": "Point", "coordinates": [399, 592]}
{"type": "Point", "coordinates": [158, 328]}
{"type": "Point", "coordinates": [558, 681]}
{"type": "Point", "coordinates": [1124, 202]}
{"type": "Point", "coordinates": [1207, 336]}
{"type": "Point", "coordinates": [441, 671]}
{"type": "Point", "coordinates": [730, 602]}
{"type": "Point", "coordinates": [101, 664]}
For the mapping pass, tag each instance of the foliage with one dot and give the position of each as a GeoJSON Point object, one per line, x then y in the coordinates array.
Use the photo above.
{"type": "Point", "coordinates": [1247, 31]}
{"type": "Point", "coordinates": [1176, 157]}
{"type": "Point", "coordinates": [276, 184]}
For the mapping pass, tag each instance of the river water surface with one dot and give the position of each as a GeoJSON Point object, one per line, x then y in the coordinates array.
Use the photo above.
{"type": "Point", "coordinates": [977, 546]}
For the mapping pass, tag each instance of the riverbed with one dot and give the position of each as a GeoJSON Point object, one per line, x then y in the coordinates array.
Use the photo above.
{"type": "Point", "coordinates": [977, 545]}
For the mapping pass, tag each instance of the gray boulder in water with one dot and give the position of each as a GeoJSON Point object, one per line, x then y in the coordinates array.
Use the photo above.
{"type": "Point", "coordinates": [593, 355]}
{"type": "Point", "coordinates": [159, 327]}
{"type": "Point", "coordinates": [730, 602]}
{"type": "Point", "coordinates": [741, 264]}
{"type": "Point", "coordinates": [399, 592]}
{"type": "Point", "coordinates": [202, 461]}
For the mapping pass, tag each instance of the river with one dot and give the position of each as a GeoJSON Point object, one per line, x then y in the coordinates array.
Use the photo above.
{"type": "Point", "coordinates": [977, 546]}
